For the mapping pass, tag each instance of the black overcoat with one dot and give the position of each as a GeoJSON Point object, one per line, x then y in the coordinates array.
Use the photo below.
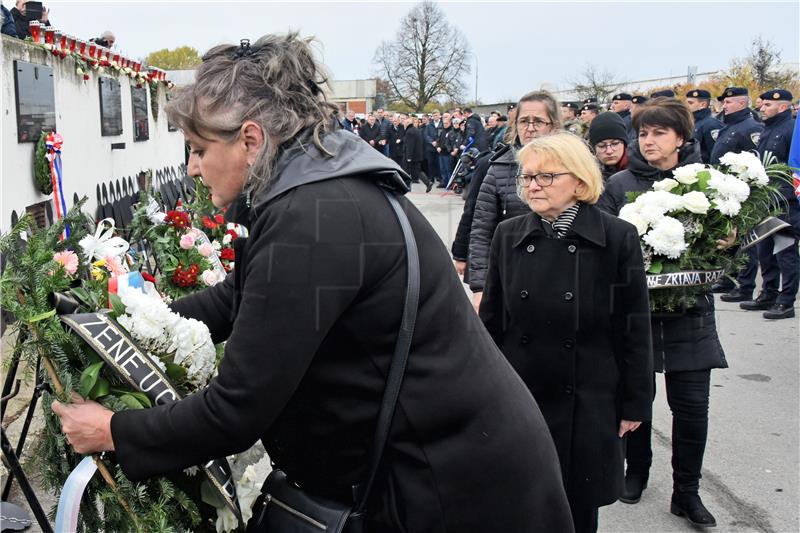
{"type": "Point", "coordinates": [572, 316]}
{"type": "Point", "coordinates": [311, 314]}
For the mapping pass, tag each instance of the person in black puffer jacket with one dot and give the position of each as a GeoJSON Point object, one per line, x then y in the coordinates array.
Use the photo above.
{"type": "Point", "coordinates": [685, 344]}
{"type": "Point", "coordinates": [539, 114]}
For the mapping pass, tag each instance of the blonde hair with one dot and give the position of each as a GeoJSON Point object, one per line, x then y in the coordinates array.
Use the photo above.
{"type": "Point", "coordinates": [573, 153]}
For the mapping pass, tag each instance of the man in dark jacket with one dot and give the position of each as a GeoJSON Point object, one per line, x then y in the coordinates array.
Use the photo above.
{"type": "Point", "coordinates": [9, 27]}
{"type": "Point", "coordinates": [430, 136]}
{"type": "Point", "coordinates": [22, 18]}
{"type": "Point", "coordinates": [384, 123]}
{"type": "Point", "coordinates": [706, 126]}
{"type": "Point", "coordinates": [371, 132]}
{"type": "Point", "coordinates": [475, 132]}
{"type": "Point", "coordinates": [781, 269]}
{"type": "Point", "coordinates": [442, 151]}
{"type": "Point", "coordinates": [350, 122]}
{"type": "Point", "coordinates": [394, 139]}
{"type": "Point", "coordinates": [740, 133]}
{"type": "Point", "coordinates": [621, 104]}
{"type": "Point", "coordinates": [608, 137]}
{"type": "Point", "coordinates": [414, 154]}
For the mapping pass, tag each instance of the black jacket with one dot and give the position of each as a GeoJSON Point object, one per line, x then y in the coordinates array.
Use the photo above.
{"type": "Point", "coordinates": [572, 317]}
{"type": "Point", "coordinates": [685, 340]}
{"type": "Point", "coordinates": [476, 133]}
{"type": "Point", "coordinates": [396, 149]}
{"type": "Point", "coordinates": [740, 133]}
{"type": "Point", "coordinates": [460, 248]}
{"type": "Point", "coordinates": [371, 133]}
{"type": "Point", "coordinates": [413, 145]}
{"type": "Point", "coordinates": [706, 130]}
{"type": "Point", "coordinates": [497, 201]}
{"type": "Point", "coordinates": [315, 315]}
{"type": "Point", "coordinates": [776, 139]}
{"type": "Point", "coordinates": [22, 23]}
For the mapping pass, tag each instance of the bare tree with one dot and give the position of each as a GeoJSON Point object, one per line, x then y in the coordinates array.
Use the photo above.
{"type": "Point", "coordinates": [762, 61]}
{"type": "Point", "coordinates": [427, 58]}
{"type": "Point", "coordinates": [594, 83]}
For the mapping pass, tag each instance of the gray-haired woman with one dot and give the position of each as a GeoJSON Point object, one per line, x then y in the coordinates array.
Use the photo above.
{"type": "Point", "coordinates": [311, 317]}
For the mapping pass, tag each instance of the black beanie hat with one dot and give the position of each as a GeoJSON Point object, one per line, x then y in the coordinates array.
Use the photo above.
{"type": "Point", "coordinates": [608, 125]}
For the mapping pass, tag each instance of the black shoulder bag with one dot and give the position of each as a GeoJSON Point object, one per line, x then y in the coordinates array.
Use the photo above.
{"type": "Point", "coordinates": [286, 508]}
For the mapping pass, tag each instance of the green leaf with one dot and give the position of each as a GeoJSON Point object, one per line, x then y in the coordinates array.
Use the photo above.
{"type": "Point", "coordinates": [117, 307]}
{"type": "Point", "coordinates": [84, 297]}
{"type": "Point", "coordinates": [702, 179]}
{"type": "Point", "coordinates": [656, 267]}
{"type": "Point", "coordinates": [100, 389]}
{"type": "Point", "coordinates": [89, 378]}
{"type": "Point", "coordinates": [175, 372]}
{"type": "Point", "coordinates": [142, 398]}
{"type": "Point", "coordinates": [42, 316]}
{"type": "Point", "coordinates": [131, 401]}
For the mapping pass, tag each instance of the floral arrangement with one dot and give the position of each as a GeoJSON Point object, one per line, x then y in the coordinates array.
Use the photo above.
{"type": "Point", "coordinates": [682, 218]}
{"type": "Point", "coordinates": [82, 266]}
{"type": "Point", "coordinates": [212, 221]}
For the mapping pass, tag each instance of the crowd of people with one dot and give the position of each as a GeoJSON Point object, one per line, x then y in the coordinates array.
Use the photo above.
{"type": "Point", "coordinates": [538, 406]}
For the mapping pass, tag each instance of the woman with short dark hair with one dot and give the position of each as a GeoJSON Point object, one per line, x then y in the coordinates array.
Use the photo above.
{"type": "Point", "coordinates": [566, 301]}
{"type": "Point", "coordinates": [685, 343]}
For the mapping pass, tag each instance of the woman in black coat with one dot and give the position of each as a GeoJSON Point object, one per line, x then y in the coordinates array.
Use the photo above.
{"type": "Point", "coordinates": [566, 301]}
{"type": "Point", "coordinates": [311, 318]}
{"type": "Point", "coordinates": [685, 344]}
{"type": "Point", "coordinates": [414, 153]}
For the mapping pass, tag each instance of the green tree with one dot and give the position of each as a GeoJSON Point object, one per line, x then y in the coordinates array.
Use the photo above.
{"type": "Point", "coordinates": [181, 58]}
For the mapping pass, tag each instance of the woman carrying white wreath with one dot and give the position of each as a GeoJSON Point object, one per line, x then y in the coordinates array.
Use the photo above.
{"type": "Point", "coordinates": [685, 344]}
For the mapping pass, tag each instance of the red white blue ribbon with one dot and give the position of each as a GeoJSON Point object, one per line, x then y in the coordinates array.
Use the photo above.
{"type": "Point", "coordinates": [53, 143]}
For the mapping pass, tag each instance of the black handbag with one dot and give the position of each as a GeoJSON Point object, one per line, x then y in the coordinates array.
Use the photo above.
{"type": "Point", "coordinates": [283, 507]}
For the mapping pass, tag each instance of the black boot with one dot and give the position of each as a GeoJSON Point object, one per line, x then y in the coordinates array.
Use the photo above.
{"type": "Point", "coordinates": [690, 506]}
{"type": "Point", "coordinates": [634, 486]}
{"type": "Point", "coordinates": [426, 180]}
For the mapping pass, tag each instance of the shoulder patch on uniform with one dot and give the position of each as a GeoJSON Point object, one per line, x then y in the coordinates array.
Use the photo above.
{"type": "Point", "coordinates": [755, 136]}
{"type": "Point", "coordinates": [714, 134]}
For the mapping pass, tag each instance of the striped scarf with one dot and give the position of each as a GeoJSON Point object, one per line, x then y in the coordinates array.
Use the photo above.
{"type": "Point", "coordinates": [563, 222]}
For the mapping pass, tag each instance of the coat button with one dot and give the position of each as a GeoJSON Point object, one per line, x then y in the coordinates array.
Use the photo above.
{"type": "Point", "coordinates": [523, 294]}
{"type": "Point", "coordinates": [524, 339]}
{"type": "Point", "coordinates": [571, 248]}
{"type": "Point", "coordinates": [530, 248]}
{"type": "Point", "coordinates": [569, 389]}
{"type": "Point", "coordinates": [568, 296]}
{"type": "Point", "coordinates": [569, 343]}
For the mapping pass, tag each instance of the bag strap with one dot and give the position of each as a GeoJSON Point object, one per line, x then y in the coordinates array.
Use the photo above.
{"type": "Point", "coordinates": [398, 365]}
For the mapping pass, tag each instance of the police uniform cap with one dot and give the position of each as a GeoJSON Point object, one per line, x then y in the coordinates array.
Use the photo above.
{"type": "Point", "coordinates": [590, 107]}
{"type": "Point", "coordinates": [669, 93]}
{"type": "Point", "coordinates": [732, 91]}
{"type": "Point", "coordinates": [777, 94]}
{"type": "Point", "coordinates": [590, 100]}
{"type": "Point", "coordinates": [639, 99]}
{"type": "Point", "coordinates": [622, 96]}
{"type": "Point", "coordinates": [570, 105]}
{"type": "Point", "coordinates": [699, 93]}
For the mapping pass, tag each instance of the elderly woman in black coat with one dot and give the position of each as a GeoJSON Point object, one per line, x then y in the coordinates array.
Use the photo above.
{"type": "Point", "coordinates": [566, 301]}
{"type": "Point", "coordinates": [311, 318]}
{"type": "Point", "coordinates": [685, 343]}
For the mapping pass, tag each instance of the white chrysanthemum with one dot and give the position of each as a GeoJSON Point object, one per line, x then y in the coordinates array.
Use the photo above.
{"type": "Point", "coordinates": [194, 350]}
{"type": "Point", "coordinates": [667, 238]}
{"type": "Point", "coordinates": [728, 187]}
{"type": "Point", "coordinates": [149, 316]}
{"type": "Point", "coordinates": [727, 207]}
{"type": "Point", "coordinates": [696, 202]}
{"type": "Point", "coordinates": [631, 214]}
{"type": "Point", "coordinates": [226, 240]}
{"type": "Point", "coordinates": [687, 174]}
{"type": "Point", "coordinates": [667, 184]}
{"type": "Point", "coordinates": [746, 166]}
{"type": "Point", "coordinates": [248, 488]}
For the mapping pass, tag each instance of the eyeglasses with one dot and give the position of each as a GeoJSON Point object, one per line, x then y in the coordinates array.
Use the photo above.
{"type": "Point", "coordinates": [542, 179]}
{"type": "Point", "coordinates": [537, 123]}
{"type": "Point", "coordinates": [602, 147]}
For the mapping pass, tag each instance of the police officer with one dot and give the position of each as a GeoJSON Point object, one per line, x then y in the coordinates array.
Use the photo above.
{"type": "Point", "coordinates": [591, 100]}
{"type": "Point", "coordinates": [621, 104]}
{"type": "Point", "coordinates": [569, 111]}
{"type": "Point", "coordinates": [665, 93]}
{"type": "Point", "coordinates": [706, 127]}
{"type": "Point", "coordinates": [740, 133]}
{"type": "Point", "coordinates": [781, 269]}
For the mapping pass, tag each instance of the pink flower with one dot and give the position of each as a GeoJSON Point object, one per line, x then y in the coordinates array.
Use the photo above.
{"type": "Point", "coordinates": [205, 249]}
{"type": "Point", "coordinates": [210, 277]}
{"type": "Point", "coordinates": [114, 265]}
{"type": "Point", "coordinates": [187, 241]}
{"type": "Point", "coordinates": [68, 260]}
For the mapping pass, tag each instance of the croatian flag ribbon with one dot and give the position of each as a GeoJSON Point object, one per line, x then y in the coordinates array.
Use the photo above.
{"type": "Point", "coordinates": [53, 143]}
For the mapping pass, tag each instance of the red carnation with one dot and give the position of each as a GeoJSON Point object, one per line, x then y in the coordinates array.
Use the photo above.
{"type": "Point", "coordinates": [227, 254]}
{"type": "Point", "coordinates": [219, 219]}
{"type": "Point", "coordinates": [232, 233]}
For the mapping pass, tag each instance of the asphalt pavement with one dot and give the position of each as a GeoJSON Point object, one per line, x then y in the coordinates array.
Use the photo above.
{"type": "Point", "coordinates": [751, 471]}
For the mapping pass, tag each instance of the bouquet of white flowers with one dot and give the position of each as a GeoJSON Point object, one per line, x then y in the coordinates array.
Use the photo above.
{"type": "Point", "coordinates": [682, 218]}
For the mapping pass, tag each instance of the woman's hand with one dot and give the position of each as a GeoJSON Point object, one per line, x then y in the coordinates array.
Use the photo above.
{"type": "Point", "coordinates": [476, 300]}
{"type": "Point", "coordinates": [626, 426]}
{"type": "Point", "coordinates": [461, 267]}
{"type": "Point", "coordinates": [86, 424]}
{"type": "Point", "coordinates": [728, 241]}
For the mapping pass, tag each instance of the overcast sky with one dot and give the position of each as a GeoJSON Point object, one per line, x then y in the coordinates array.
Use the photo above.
{"type": "Point", "coordinates": [518, 46]}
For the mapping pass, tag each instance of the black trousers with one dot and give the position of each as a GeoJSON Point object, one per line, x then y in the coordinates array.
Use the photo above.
{"type": "Point", "coordinates": [584, 518]}
{"type": "Point", "coordinates": [415, 171]}
{"type": "Point", "coordinates": [687, 395]}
